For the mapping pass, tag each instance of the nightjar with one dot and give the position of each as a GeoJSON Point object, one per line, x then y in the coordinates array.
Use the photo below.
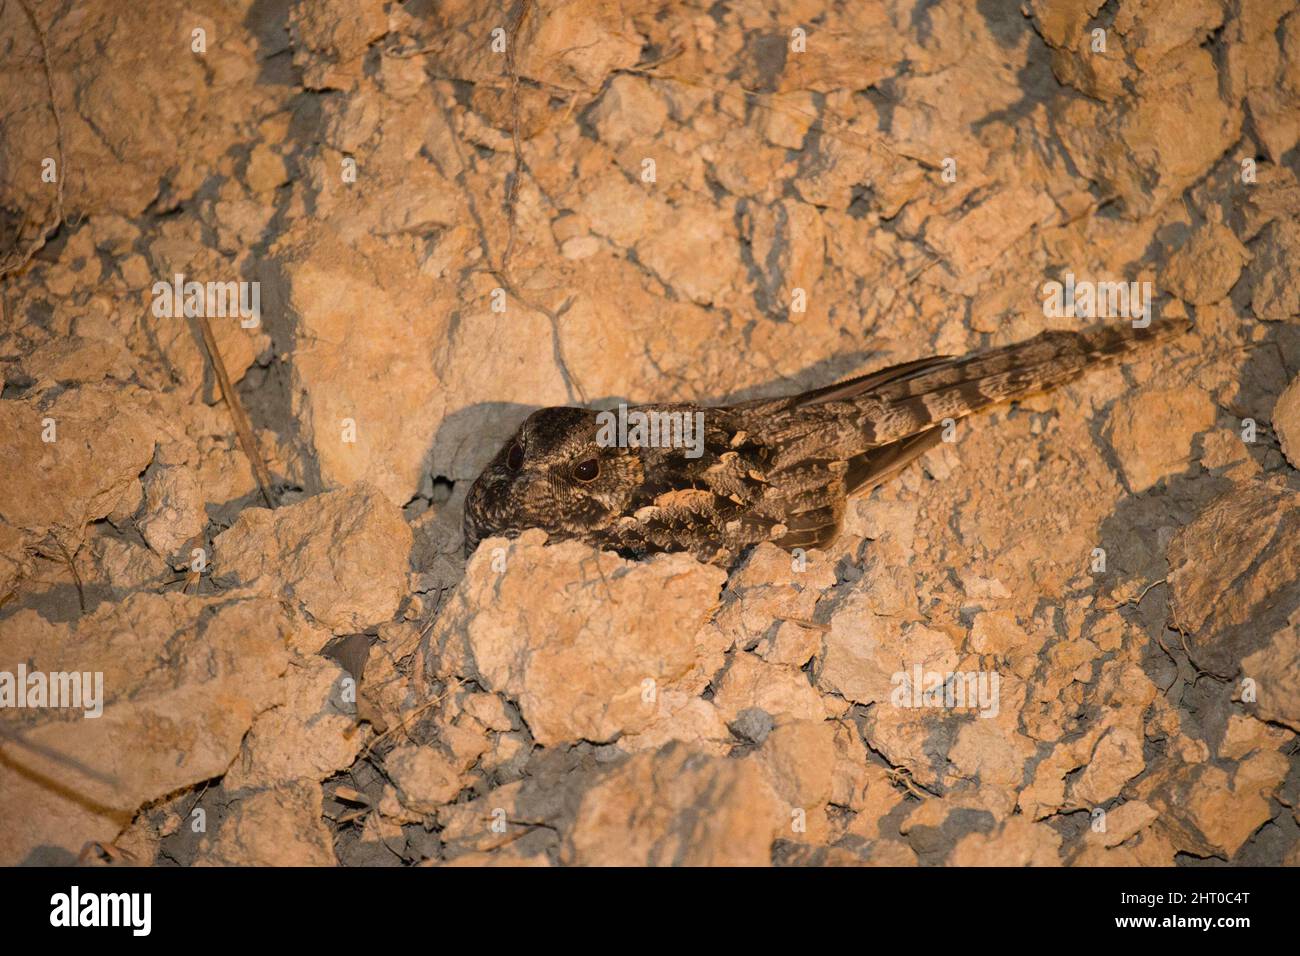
{"type": "Point", "coordinates": [714, 480]}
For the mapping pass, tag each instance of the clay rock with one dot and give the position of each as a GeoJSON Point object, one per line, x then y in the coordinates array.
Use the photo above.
{"type": "Point", "coordinates": [788, 244]}
{"type": "Point", "coordinates": [161, 729]}
{"type": "Point", "coordinates": [1152, 431]}
{"type": "Point", "coordinates": [113, 162]}
{"type": "Point", "coordinates": [77, 360]}
{"type": "Point", "coordinates": [330, 39]}
{"type": "Point", "coordinates": [800, 758]}
{"type": "Point", "coordinates": [68, 459]}
{"type": "Point", "coordinates": [679, 807]}
{"type": "Point", "coordinates": [694, 252]}
{"type": "Point", "coordinates": [1286, 421]}
{"type": "Point", "coordinates": [359, 429]}
{"type": "Point", "coordinates": [309, 733]}
{"type": "Point", "coordinates": [1276, 272]}
{"type": "Point", "coordinates": [629, 111]}
{"type": "Point", "coordinates": [864, 652]}
{"type": "Point", "coordinates": [585, 642]}
{"type": "Point", "coordinates": [1275, 679]}
{"type": "Point", "coordinates": [770, 600]}
{"type": "Point", "coordinates": [573, 44]}
{"type": "Point", "coordinates": [782, 690]}
{"type": "Point", "coordinates": [1017, 842]}
{"type": "Point", "coordinates": [1207, 810]}
{"type": "Point", "coordinates": [1262, 54]}
{"type": "Point", "coordinates": [277, 827]}
{"type": "Point", "coordinates": [1176, 113]}
{"type": "Point", "coordinates": [425, 779]}
{"type": "Point", "coordinates": [343, 556]}
{"type": "Point", "coordinates": [174, 512]}
{"type": "Point", "coordinates": [1234, 574]}
{"type": "Point", "coordinates": [1206, 268]}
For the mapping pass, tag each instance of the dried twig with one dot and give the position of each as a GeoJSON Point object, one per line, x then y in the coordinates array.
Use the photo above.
{"type": "Point", "coordinates": [70, 560]}
{"type": "Point", "coordinates": [16, 259]}
{"type": "Point", "coordinates": [512, 193]}
{"type": "Point", "coordinates": [237, 414]}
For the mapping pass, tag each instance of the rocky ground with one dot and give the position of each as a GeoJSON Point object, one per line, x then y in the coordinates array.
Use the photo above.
{"type": "Point", "coordinates": [457, 212]}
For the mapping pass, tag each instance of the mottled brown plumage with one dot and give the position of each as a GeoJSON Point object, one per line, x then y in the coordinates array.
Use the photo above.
{"type": "Point", "coordinates": [775, 470]}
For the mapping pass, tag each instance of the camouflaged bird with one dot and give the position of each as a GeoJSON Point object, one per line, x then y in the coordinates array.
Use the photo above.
{"type": "Point", "coordinates": [776, 469]}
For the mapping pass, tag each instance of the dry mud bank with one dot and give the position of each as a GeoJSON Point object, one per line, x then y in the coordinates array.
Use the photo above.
{"type": "Point", "coordinates": [436, 217]}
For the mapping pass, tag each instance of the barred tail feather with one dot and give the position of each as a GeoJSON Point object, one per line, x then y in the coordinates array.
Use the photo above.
{"type": "Point", "coordinates": [923, 398]}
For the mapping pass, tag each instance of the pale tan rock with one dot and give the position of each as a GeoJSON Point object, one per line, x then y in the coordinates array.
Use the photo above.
{"type": "Point", "coordinates": [640, 621]}
{"type": "Point", "coordinates": [111, 85]}
{"type": "Point", "coordinates": [265, 170]}
{"type": "Point", "coordinates": [1275, 680]}
{"type": "Point", "coordinates": [489, 710]}
{"type": "Point", "coordinates": [1126, 820]}
{"type": "Point", "coordinates": [676, 807]}
{"type": "Point", "coordinates": [330, 39]}
{"type": "Point", "coordinates": [102, 439]}
{"type": "Point", "coordinates": [788, 243]}
{"type": "Point", "coordinates": [1249, 536]}
{"type": "Point", "coordinates": [1017, 842]}
{"type": "Point", "coordinates": [1152, 431]}
{"type": "Point", "coordinates": [467, 741]}
{"type": "Point", "coordinates": [789, 119]}
{"type": "Point", "coordinates": [1176, 113]}
{"type": "Point", "coordinates": [1207, 266]}
{"type": "Point", "coordinates": [995, 632]}
{"type": "Point", "coordinates": [771, 591]}
{"type": "Point", "coordinates": [127, 566]}
{"type": "Point", "coordinates": [1223, 452]}
{"type": "Point", "coordinates": [1245, 734]}
{"type": "Point", "coordinates": [1286, 421]}
{"type": "Point", "coordinates": [309, 734]}
{"type": "Point", "coordinates": [778, 690]}
{"type": "Point", "coordinates": [1153, 30]}
{"type": "Point", "coordinates": [1262, 50]}
{"type": "Point", "coordinates": [174, 513]}
{"type": "Point", "coordinates": [630, 111]}
{"type": "Point", "coordinates": [681, 715]}
{"type": "Point", "coordinates": [913, 739]}
{"type": "Point", "coordinates": [867, 657]}
{"type": "Point", "coordinates": [1275, 272]}
{"type": "Point", "coordinates": [161, 729]}
{"type": "Point", "coordinates": [425, 779]}
{"type": "Point", "coordinates": [77, 360]}
{"type": "Point", "coordinates": [277, 827]}
{"type": "Point", "coordinates": [1115, 760]}
{"type": "Point", "coordinates": [341, 555]}
{"type": "Point", "coordinates": [693, 252]}
{"type": "Point", "coordinates": [572, 45]}
{"type": "Point", "coordinates": [354, 428]}
{"type": "Point", "coordinates": [800, 760]}
{"type": "Point", "coordinates": [988, 754]}
{"type": "Point", "coordinates": [1210, 811]}
{"type": "Point", "coordinates": [792, 644]}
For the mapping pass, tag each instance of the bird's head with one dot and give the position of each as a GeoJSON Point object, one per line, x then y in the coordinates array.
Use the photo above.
{"type": "Point", "coordinates": [553, 474]}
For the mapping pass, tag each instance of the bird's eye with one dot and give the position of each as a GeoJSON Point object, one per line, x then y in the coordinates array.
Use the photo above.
{"type": "Point", "coordinates": [515, 456]}
{"type": "Point", "coordinates": [586, 470]}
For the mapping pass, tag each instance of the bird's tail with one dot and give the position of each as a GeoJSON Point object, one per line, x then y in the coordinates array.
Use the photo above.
{"type": "Point", "coordinates": [926, 394]}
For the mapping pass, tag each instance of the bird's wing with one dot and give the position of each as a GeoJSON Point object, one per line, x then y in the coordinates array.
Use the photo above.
{"type": "Point", "coordinates": [875, 467]}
